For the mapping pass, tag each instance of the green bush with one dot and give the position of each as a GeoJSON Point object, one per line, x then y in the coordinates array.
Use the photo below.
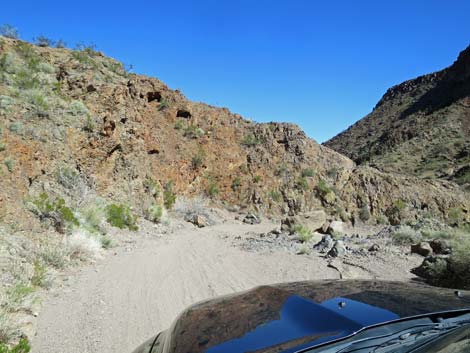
{"type": "Point", "coordinates": [179, 125]}
{"type": "Point", "coordinates": [9, 164]}
{"type": "Point", "coordinates": [152, 187]}
{"type": "Point", "coordinates": [163, 104]}
{"type": "Point", "coordinates": [364, 213]}
{"type": "Point", "coordinates": [257, 179]}
{"type": "Point", "coordinates": [197, 160]}
{"type": "Point", "coordinates": [169, 197]}
{"type": "Point", "coordinates": [44, 208]}
{"type": "Point", "coordinates": [77, 108]}
{"type": "Point", "coordinates": [302, 184]}
{"type": "Point", "coordinates": [22, 347]}
{"type": "Point", "coordinates": [39, 276]}
{"type": "Point", "coordinates": [307, 173]}
{"type": "Point", "coordinates": [406, 236]}
{"type": "Point", "coordinates": [3, 146]}
{"type": "Point", "coordinates": [192, 131]}
{"type": "Point", "coordinates": [155, 213]}
{"type": "Point", "coordinates": [275, 195]}
{"type": "Point", "coordinates": [250, 140]}
{"type": "Point", "coordinates": [304, 233]}
{"type": "Point", "coordinates": [236, 183]}
{"type": "Point", "coordinates": [212, 189]}
{"type": "Point", "coordinates": [16, 127]}
{"type": "Point", "coordinates": [322, 188]}
{"type": "Point", "coordinates": [120, 216]}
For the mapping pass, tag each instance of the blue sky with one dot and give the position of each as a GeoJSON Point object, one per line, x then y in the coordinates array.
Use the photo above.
{"type": "Point", "coordinates": [320, 64]}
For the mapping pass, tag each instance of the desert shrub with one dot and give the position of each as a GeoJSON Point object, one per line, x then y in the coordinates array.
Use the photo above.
{"type": "Point", "coordinates": [332, 173]}
{"type": "Point", "coordinates": [9, 31]}
{"type": "Point", "coordinates": [406, 236]}
{"type": "Point", "coordinates": [155, 213]}
{"type": "Point", "coordinates": [82, 247]}
{"type": "Point", "coordinates": [455, 215]}
{"type": "Point", "coordinates": [179, 125]}
{"type": "Point", "coordinates": [9, 163]}
{"type": "Point", "coordinates": [342, 213]}
{"type": "Point", "coordinates": [307, 173]}
{"type": "Point", "coordinates": [381, 219]}
{"type": "Point", "coordinates": [396, 212]}
{"type": "Point", "coordinates": [250, 140]}
{"type": "Point", "coordinates": [169, 196]}
{"type": "Point", "coordinates": [77, 108]}
{"type": "Point", "coordinates": [303, 233]}
{"type": "Point", "coordinates": [42, 41]}
{"type": "Point", "coordinates": [21, 347]}
{"type": "Point", "coordinates": [38, 100]}
{"type": "Point", "coordinates": [364, 213]}
{"type": "Point", "coordinates": [302, 184]}
{"type": "Point", "coordinates": [60, 44]}
{"type": "Point", "coordinates": [6, 103]}
{"type": "Point", "coordinates": [236, 183]}
{"type": "Point", "coordinates": [121, 216]}
{"type": "Point", "coordinates": [197, 160]}
{"type": "Point", "coordinates": [192, 131]}
{"type": "Point", "coordinates": [16, 127]}
{"type": "Point", "coordinates": [257, 179]}
{"type": "Point", "coordinates": [39, 276]}
{"type": "Point", "coordinates": [275, 195]}
{"type": "Point", "coordinates": [7, 330]}
{"type": "Point", "coordinates": [91, 219]}
{"type": "Point", "coordinates": [322, 188]}
{"type": "Point", "coordinates": [17, 296]}
{"type": "Point", "coordinates": [152, 187]}
{"type": "Point", "coordinates": [89, 124]}
{"type": "Point", "coordinates": [3, 146]}
{"type": "Point", "coordinates": [212, 188]}
{"type": "Point", "coordinates": [163, 104]}
{"type": "Point", "coordinates": [57, 210]}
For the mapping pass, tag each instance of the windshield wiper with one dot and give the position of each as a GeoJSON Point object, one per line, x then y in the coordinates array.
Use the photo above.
{"type": "Point", "coordinates": [404, 339]}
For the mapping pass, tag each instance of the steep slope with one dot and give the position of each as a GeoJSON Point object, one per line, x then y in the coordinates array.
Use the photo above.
{"type": "Point", "coordinates": [77, 129]}
{"type": "Point", "coordinates": [420, 127]}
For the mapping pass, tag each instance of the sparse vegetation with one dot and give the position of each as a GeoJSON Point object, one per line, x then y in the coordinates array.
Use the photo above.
{"type": "Point", "coordinates": [9, 163]}
{"type": "Point", "coordinates": [43, 41]}
{"type": "Point", "coordinates": [179, 124]}
{"type": "Point", "coordinates": [303, 233]}
{"type": "Point", "coordinates": [250, 140]}
{"type": "Point", "coordinates": [364, 213]}
{"type": "Point", "coordinates": [275, 195]}
{"type": "Point", "coordinates": [236, 183]}
{"type": "Point", "coordinates": [121, 216]}
{"type": "Point", "coordinates": [155, 213]}
{"type": "Point", "coordinates": [257, 179]}
{"type": "Point", "coordinates": [9, 31]}
{"type": "Point", "coordinates": [212, 188]}
{"type": "Point", "coordinates": [169, 196]}
{"type": "Point", "coordinates": [22, 347]}
{"type": "Point", "coordinates": [197, 160]}
{"type": "Point", "coordinates": [302, 184]}
{"type": "Point", "coordinates": [194, 132]}
{"type": "Point", "coordinates": [307, 173]}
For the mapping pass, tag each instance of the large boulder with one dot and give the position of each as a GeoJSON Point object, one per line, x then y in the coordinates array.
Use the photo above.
{"type": "Point", "coordinates": [251, 218]}
{"type": "Point", "coordinates": [336, 227]}
{"type": "Point", "coordinates": [445, 271]}
{"type": "Point", "coordinates": [422, 248]}
{"type": "Point", "coordinates": [338, 249]}
{"type": "Point", "coordinates": [325, 244]}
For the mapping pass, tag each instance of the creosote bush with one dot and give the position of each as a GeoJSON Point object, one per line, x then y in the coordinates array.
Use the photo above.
{"type": "Point", "coordinates": [121, 216]}
{"type": "Point", "coordinates": [22, 347]}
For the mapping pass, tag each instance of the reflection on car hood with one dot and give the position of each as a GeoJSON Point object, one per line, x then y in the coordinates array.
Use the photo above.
{"type": "Point", "coordinates": [292, 316]}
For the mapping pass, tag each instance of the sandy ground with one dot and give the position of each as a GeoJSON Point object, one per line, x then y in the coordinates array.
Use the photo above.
{"type": "Point", "coordinates": [121, 301]}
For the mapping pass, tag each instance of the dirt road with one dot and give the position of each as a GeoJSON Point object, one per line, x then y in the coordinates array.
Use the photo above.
{"type": "Point", "coordinates": [113, 306]}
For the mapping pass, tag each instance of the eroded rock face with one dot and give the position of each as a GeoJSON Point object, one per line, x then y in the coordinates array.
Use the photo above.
{"type": "Point", "coordinates": [123, 130]}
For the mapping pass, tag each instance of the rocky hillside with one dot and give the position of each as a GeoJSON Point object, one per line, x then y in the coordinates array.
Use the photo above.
{"type": "Point", "coordinates": [78, 131]}
{"type": "Point", "coordinates": [420, 127]}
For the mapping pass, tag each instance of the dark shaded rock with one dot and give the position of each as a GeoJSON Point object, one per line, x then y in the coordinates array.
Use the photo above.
{"type": "Point", "coordinates": [325, 244]}
{"type": "Point", "coordinates": [374, 248]}
{"type": "Point", "coordinates": [422, 248]}
{"type": "Point", "coordinates": [440, 247]}
{"type": "Point", "coordinates": [338, 249]}
{"type": "Point", "coordinates": [250, 218]}
{"type": "Point", "coordinates": [445, 271]}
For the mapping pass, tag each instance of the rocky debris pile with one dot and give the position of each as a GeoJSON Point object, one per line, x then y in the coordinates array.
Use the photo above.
{"type": "Point", "coordinates": [198, 220]}
{"type": "Point", "coordinates": [251, 218]}
{"type": "Point", "coordinates": [313, 220]}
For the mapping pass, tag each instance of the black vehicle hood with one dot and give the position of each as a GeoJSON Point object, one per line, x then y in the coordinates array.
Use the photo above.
{"type": "Point", "coordinates": [292, 316]}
